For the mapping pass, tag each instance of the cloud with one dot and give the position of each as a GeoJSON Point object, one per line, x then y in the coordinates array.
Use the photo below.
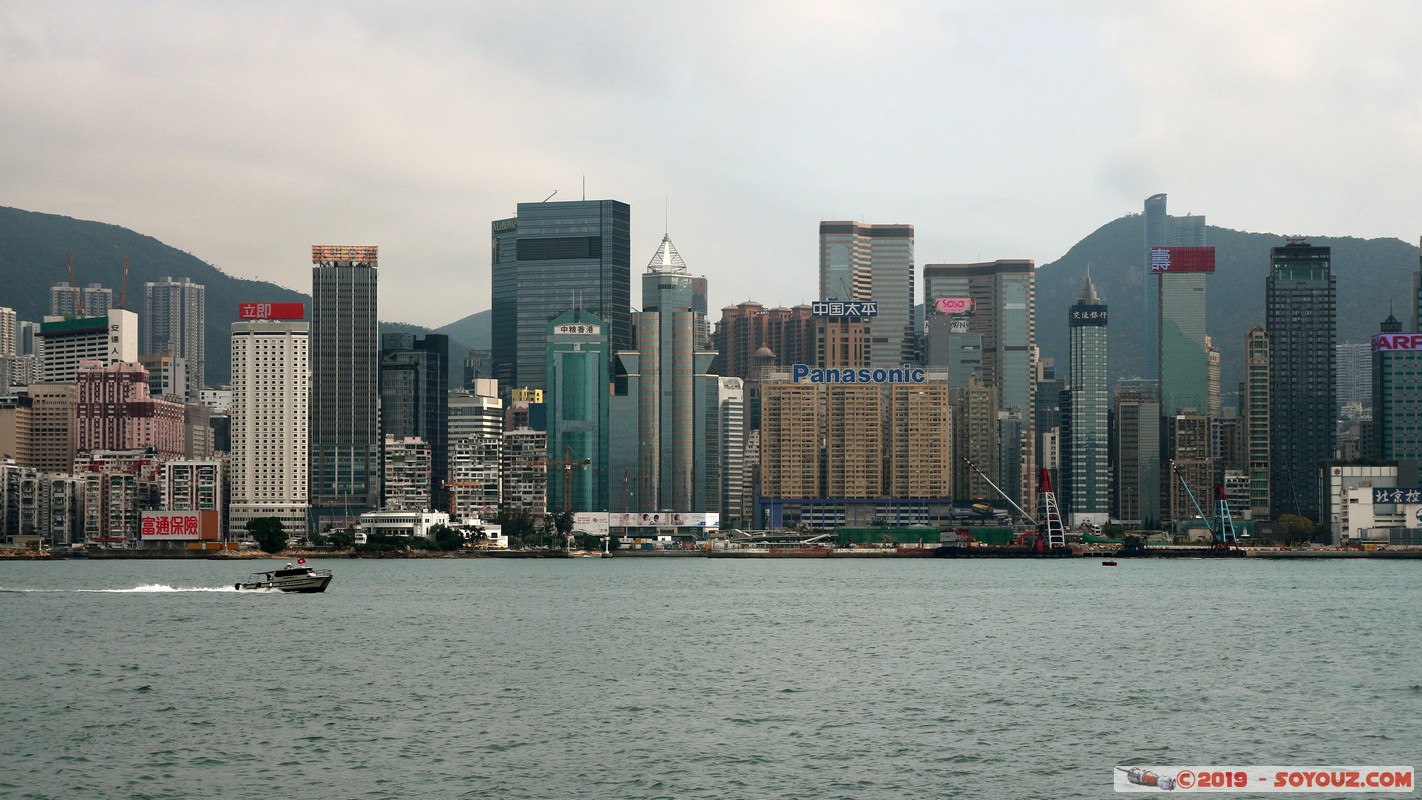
{"type": "Point", "coordinates": [246, 133]}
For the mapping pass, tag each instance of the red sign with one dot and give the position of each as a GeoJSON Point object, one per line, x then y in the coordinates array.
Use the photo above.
{"type": "Point", "coordinates": [1182, 259]}
{"type": "Point", "coordinates": [1397, 341]}
{"type": "Point", "coordinates": [271, 310]}
{"type": "Point", "coordinates": [173, 525]}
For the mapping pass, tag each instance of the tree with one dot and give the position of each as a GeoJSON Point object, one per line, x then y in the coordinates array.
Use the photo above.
{"type": "Point", "coordinates": [268, 533]}
{"type": "Point", "coordinates": [340, 539]}
{"type": "Point", "coordinates": [1294, 528]}
{"type": "Point", "coordinates": [446, 538]}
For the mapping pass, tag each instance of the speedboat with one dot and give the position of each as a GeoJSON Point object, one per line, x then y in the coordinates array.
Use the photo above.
{"type": "Point", "coordinates": [289, 579]}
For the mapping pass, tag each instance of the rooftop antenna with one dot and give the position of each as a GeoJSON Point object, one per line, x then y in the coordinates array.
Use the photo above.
{"type": "Point", "coordinates": [666, 214]}
{"type": "Point", "coordinates": [585, 187]}
{"type": "Point", "coordinates": [550, 197]}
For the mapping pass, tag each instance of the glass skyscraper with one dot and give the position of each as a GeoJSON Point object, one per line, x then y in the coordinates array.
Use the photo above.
{"type": "Point", "coordinates": [1300, 307]}
{"type": "Point", "coordinates": [548, 259]}
{"type": "Point", "coordinates": [1087, 460]}
{"type": "Point", "coordinates": [578, 405]}
{"type": "Point", "coordinates": [345, 384]}
{"type": "Point", "coordinates": [1004, 315]}
{"type": "Point", "coordinates": [863, 261]}
{"type": "Point", "coordinates": [414, 400]}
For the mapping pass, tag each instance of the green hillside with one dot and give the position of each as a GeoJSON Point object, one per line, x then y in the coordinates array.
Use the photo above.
{"type": "Point", "coordinates": [1374, 276]}
{"type": "Point", "coordinates": [32, 247]}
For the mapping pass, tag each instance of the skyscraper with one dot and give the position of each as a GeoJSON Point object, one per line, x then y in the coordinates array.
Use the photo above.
{"type": "Point", "coordinates": [71, 301]}
{"type": "Point", "coordinates": [1184, 363]}
{"type": "Point", "coordinates": [1301, 318]}
{"type": "Point", "coordinates": [1136, 452]}
{"type": "Point", "coordinates": [270, 416]}
{"type": "Point", "coordinates": [578, 411]}
{"type": "Point", "coordinates": [552, 257]}
{"type": "Point", "coordinates": [864, 261]}
{"type": "Point", "coordinates": [1397, 405]}
{"type": "Point", "coordinates": [414, 402]}
{"type": "Point", "coordinates": [1087, 460]}
{"type": "Point", "coordinates": [1003, 296]}
{"type": "Point", "coordinates": [1256, 419]}
{"type": "Point", "coordinates": [174, 313]}
{"type": "Point", "coordinates": [345, 387]}
{"type": "Point", "coordinates": [667, 376]}
{"type": "Point", "coordinates": [1157, 234]}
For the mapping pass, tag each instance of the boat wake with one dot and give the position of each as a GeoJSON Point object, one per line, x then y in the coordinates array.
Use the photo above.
{"type": "Point", "coordinates": [150, 588]}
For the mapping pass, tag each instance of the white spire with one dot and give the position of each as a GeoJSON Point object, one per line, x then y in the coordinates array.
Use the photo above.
{"type": "Point", "coordinates": [666, 259]}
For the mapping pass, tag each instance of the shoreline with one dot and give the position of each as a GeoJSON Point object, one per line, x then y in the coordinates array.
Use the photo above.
{"type": "Point", "coordinates": [872, 554]}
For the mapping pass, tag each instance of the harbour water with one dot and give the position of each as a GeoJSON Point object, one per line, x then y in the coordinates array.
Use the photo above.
{"type": "Point", "coordinates": [696, 678]}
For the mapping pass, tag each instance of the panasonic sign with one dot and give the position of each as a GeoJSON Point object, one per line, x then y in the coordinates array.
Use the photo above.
{"type": "Point", "coordinates": [905, 374]}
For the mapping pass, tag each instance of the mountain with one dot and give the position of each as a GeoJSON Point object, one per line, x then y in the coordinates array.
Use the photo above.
{"type": "Point", "coordinates": [476, 329]}
{"type": "Point", "coordinates": [1373, 275]}
{"type": "Point", "coordinates": [32, 247]}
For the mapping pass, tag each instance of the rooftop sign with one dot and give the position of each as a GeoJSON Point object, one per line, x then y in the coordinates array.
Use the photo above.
{"type": "Point", "coordinates": [905, 374]}
{"type": "Point", "coordinates": [1182, 259]}
{"type": "Point", "coordinates": [846, 308]}
{"type": "Point", "coordinates": [343, 252]}
{"type": "Point", "coordinates": [271, 310]}
{"type": "Point", "coordinates": [1397, 341]}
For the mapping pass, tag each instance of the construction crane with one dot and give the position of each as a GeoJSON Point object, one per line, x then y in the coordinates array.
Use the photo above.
{"type": "Point", "coordinates": [74, 286]}
{"type": "Point", "coordinates": [123, 288]}
{"type": "Point", "coordinates": [567, 463]}
{"type": "Point", "coordinates": [1050, 534]}
{"type": "Point", "coordinates": [1223, 537]}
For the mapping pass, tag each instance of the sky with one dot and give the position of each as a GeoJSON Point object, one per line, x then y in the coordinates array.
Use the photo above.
{"type": "Point", "coordinates": [243, 133]}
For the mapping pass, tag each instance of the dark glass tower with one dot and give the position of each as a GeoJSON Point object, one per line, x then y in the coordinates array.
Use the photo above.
{"type": "Point", "coordinates": [1301, 318]}
{"type": "Point", "coordinates": [345, 427]}
{"type": "Point", "coordinates": [548, 259]}
{"type": "Point", "coordinates": [1086, 462]}
{"type": "Point", "coordinates": [414, 399]}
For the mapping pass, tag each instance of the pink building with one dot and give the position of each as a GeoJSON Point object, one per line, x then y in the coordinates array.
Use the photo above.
{"type": "Point", "coordinates": [116, 412]}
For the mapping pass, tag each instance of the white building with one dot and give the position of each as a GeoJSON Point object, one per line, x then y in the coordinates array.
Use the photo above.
{"type": "Point", "coordinates": [62, 343]}
{"type": "Point", "coordinates": [402, 523]}
{"type": "Point", "coordinates": [271, 378]}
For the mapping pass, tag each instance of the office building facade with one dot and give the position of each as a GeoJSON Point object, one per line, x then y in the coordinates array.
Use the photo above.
{"type": "Point", "coordinates": [1300, 310]}
{"type": "Point", "coordinates": [174, 324]}
{"type": "Point", "coordinates": [873, 262]}
{"type": "Point", "coordinates": [551, 257]}
{"type": "Point", "coordinates": [1087, 460]}
{"type": "Point", "coordinates": [1002, 297]}
{"type": "Point", "coordinates": [414, 401]}
{"type": "Point", "coordinates": [270, 424]}
{"type": "Point", "coordinates": [345, 385]}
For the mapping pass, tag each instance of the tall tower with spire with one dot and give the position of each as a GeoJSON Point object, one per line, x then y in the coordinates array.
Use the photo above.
{"type": "Point", "coordinates": [1086, 467]}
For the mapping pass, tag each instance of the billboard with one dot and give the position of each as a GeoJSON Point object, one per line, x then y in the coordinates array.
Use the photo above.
{"type": "Point", "coordinates": [1182, 259]}
{"type": "Point", "coordinates": [906, 374]}
{"type": "Point", "coordinates": [343, 252]}
{"type": "Point", "coordinates": [593, 522]}
{"type": "Point", "coordinates": [271, 311]}
{"type": "Point", "coordinates": [664, 519]}
{"type": "Point", "coordinates": [1397, 341]}
{"type": "Point", "coordinates": [846, 308]}
{"type": "Point", "coordinates": [954, 306]}
{"type": "Point", "coordinates": [178, 525]}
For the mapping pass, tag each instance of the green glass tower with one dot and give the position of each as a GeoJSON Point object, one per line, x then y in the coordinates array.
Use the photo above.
{"type": "Point", "coordinates": [577, 403]}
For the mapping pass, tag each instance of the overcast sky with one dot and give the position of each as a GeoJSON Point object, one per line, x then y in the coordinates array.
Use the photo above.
{"type": "Point", "coordinates": [246, 132]}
